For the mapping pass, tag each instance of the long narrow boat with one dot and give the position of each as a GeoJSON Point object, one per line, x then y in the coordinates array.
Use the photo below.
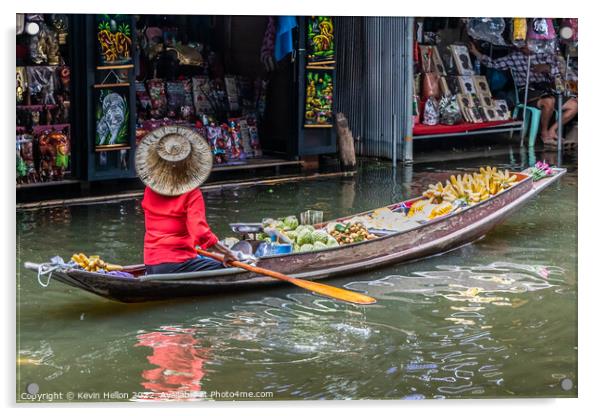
{"type": "Point", "coordinates": [435, 236]}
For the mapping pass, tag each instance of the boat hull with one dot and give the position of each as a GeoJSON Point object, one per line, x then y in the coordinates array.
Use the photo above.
{"type": "Point", "coordinates": [435, 237]}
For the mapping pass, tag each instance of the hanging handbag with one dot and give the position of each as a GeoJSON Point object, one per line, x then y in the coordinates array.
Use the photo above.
{"type": "Point", "coordinates": [430, 79]}
{"type": "Point", "coordinates": [430, 85]}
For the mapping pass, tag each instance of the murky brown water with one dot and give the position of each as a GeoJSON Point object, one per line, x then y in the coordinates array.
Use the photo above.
{"type": "Point", "coordinates": [496, 318]}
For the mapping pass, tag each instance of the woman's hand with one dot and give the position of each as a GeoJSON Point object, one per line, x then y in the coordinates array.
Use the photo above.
{"type": "Point", "coordinates": [472, 48]}
{"type": "Point", "coordinates": [229, 255]}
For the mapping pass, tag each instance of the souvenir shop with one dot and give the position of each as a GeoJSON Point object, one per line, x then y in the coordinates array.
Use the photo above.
{"type": "Point", "coordinates": [455, 95]}
{"type": "Point", "coordinates": [43, 96]}
{"type": "Point", "coordinates": [89, 87]}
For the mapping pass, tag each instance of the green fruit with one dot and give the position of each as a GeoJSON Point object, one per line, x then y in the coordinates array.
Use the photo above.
{"type": "Point", "coordinates": [304, 237]}
{"type": "Point", "coordinates": [320, 236]}
{"type": "Point", "coordinates": [291, 222]}
{"type": "Point", "coordinates": [306, 247]}
{"type": "Point", "coordinates": [318, 245]}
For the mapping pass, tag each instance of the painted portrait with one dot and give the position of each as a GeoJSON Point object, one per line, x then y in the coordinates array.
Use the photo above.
{"type": "Point", "coordinates": [112, 120]}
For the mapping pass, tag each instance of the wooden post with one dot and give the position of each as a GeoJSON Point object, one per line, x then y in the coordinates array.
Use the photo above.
{"type": "Point", "coordinates": [345, 139]}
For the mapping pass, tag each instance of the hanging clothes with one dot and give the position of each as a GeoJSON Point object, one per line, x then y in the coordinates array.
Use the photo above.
{"type": "Point", "coordinates": [267, 46]}
{"type": "Point", "coordinates": [284, 36]}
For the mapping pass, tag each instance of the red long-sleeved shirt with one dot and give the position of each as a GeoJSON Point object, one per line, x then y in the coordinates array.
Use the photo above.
{"type": "Point", "coordinates": [175, 225]}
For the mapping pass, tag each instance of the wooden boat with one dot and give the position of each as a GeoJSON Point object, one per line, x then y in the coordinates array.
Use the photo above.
{"type": "Point", "coordinates": [433, 237]}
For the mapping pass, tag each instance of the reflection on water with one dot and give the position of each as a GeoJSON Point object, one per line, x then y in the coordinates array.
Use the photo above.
{"type": "Point", "coordinates": [480, 284]}
{"type": "Point", "coordinates": [496, 318]}
{"type": "Point", "coordinates": [451, 357]}
{"type": "Point", "coordinates": [178, 360]}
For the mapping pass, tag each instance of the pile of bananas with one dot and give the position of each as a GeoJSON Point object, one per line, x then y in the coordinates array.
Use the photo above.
{"type": "Point", "coordinates": [443, 208]}
{"type": "Point", "coordinates": [94, 263]}
{"type": "Point", "coordinates": [471, 188]}
{"type": "Point", "coordinates": [417, 207]}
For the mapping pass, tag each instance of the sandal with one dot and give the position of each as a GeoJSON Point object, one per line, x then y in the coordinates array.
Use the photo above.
{"type": "Point", "coordinates": [550, 144]}
{"type": "Point", "coordinates": [550, 141]}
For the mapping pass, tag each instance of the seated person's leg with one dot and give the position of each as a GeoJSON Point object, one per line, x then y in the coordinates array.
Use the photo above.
{"type": "Point", "coordinates": [569, 111]}
{"type": "Point", "coordinates": [546, 105]}
{"type": "Point", "coordinates": [195, 264]}
{"type": "Point", "coordinates": [199, 263]}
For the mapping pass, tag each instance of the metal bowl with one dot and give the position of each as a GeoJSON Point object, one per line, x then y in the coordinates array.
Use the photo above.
{"type": "Point", "coordinates": [246, 228]}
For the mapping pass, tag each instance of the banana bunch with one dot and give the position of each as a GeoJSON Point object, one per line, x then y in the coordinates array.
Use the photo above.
{"type": "Point", "coordinates": [504, 179]}
{"type": "Point", "coordinates": [461, 188]}
{"type": "Point", "coordinates": [470, 188]}
{"type": "Point", "coordinates": [435, 193]}
{"type": "Point", "coordinates": [498, 180]}
{"type": "Point", "coordinates": [94, 263]}
{"type": "Point", "coordinates": [441, 209]}
{"type": "Point", "coordinates": [478, 187]}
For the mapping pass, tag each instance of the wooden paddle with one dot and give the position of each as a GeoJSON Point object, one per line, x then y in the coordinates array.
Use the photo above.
{"type": "Point", "coordinates": [330, 291]}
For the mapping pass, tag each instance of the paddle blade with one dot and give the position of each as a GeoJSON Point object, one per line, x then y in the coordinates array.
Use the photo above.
{"type": "Point", "coordinates": [334, 292]}
{"type": "Point", "coordinates": [322, 289]}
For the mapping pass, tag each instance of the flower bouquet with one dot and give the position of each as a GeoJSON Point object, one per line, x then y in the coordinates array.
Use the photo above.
{"type": "Point", "coordinates": [541, 170]}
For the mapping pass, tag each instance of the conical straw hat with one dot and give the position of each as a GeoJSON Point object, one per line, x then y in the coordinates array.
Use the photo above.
{"type": "Point", "coordinates": [173, 160]}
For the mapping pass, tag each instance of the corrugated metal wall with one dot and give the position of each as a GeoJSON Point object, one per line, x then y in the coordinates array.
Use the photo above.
{"type": "Point", "coordinates": [370, 78]}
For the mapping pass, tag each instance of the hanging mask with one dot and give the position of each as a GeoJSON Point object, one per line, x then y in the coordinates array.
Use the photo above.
{"type": "Point", "coordinates": [541, 29]}
{"type": "Point", "coordinates": [541, 36]}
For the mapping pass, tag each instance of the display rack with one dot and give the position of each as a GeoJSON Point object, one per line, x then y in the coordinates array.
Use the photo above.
{"type": "Point", "coordinates": [316, 137]}
{"type": "Point", "coordinates": [44, 110]}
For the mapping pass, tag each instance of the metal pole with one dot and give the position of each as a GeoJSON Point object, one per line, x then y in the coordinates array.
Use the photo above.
{"type": "Point", "coordinates": [522, 130]}
{"type": "Point", "coordinates": [559, 144]}
{"type": "Point", "coordinates": [394, 158]}
{"type": "Point", "coordinates": [408, 151]}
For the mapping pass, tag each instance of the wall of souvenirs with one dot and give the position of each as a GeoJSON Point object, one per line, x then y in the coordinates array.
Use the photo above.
{"type": "Point", "coordinates": [453, 93]}
{"type": "Point", "coordinates": [140, 72]}
{"type": "Point", "coordinates": [183, 79]}
{"type": "Point", "coordinates": [452, 87]}
{"type": "Point", "coordinates": [319, 72]}
{"type": "Point", "coordinates": [43, 94]}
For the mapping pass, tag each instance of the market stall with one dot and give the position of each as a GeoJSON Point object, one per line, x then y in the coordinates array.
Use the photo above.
{"type": "Point", "coordinates": [451, 96]}
{"type": "Point", "coordinates": [43, 99]}
{"type": "Point", "coordinates": [223, 75]}
{"type": "Point", "coordinates": [184, 78]}
{"type": "Point", "coordinates": [454, 95]}
{"type": "Point", "coordinates": [260, 89]}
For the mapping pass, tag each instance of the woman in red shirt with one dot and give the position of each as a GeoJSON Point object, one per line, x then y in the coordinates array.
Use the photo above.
{"type": "Point", "coordinates": [173, 162]}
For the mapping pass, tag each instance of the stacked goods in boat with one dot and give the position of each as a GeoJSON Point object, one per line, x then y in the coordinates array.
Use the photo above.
{"type": "Point", "coordinates": [93, 263]}
{"type": "Point", "coordinates": [471, 189]}
{"type": "Point", "coordinates": [458, 192]}
{"type": "Point", "coordinates": [302, 238]}
{"type": "Point", "coordinates": [351, 232]}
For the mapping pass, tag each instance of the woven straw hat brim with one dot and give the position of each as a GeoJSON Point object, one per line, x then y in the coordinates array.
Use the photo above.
{"type": "Point", "coordinates": [173, 178]}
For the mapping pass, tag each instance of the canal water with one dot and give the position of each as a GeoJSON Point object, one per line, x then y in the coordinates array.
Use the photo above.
{"type": "Point", "coordinates": [496, 318]}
